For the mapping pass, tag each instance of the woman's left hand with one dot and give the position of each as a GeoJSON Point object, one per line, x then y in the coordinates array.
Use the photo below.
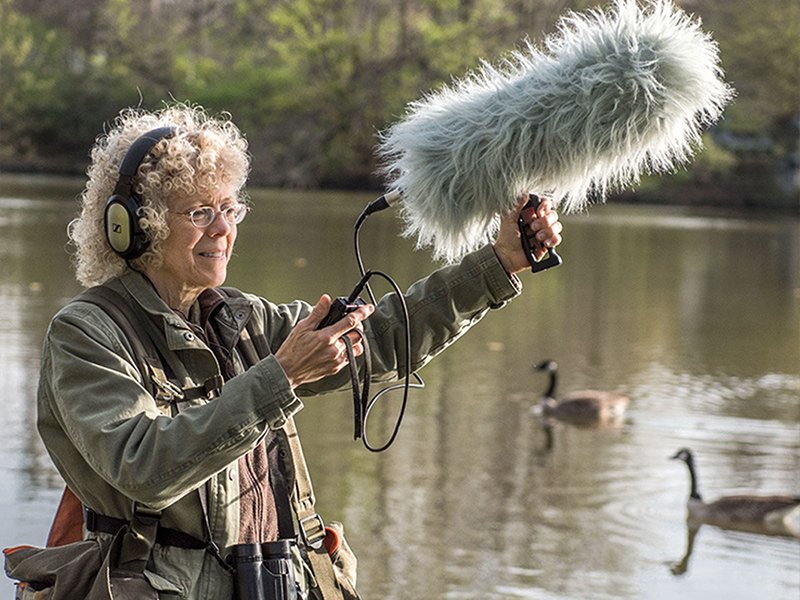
{"type": "Point", "coordinates": [543, 222]}
{"type": "Point", "coordinates": [309, 354]}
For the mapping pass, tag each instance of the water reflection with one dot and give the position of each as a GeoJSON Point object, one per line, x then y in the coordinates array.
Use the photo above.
{"type": "Point", "coordinates": [693, 527]}
{"type": "Point", "coordinates": [693, 315]}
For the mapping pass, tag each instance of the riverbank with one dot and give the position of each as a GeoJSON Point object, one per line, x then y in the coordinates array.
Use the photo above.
{"type": "Point", "coordinates": [729, 193]}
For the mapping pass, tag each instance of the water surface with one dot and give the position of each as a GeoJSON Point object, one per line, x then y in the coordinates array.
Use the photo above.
{"type": "Point", "coordinates": [694, 314]}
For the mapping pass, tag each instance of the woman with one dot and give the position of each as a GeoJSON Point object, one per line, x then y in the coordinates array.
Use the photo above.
{"type": "Point", "coordinates": [213, 463]}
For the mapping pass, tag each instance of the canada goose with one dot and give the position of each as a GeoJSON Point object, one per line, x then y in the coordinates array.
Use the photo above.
{"type": "Point", "coordinates": [585, 407]}
{"type": "Point", "coordinates": [747, 512]}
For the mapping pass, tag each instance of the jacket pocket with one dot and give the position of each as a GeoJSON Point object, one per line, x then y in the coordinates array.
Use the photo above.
{"type": "Point", "coordinates": [66, 572]}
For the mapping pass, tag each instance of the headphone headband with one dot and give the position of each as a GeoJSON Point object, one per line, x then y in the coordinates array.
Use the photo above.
{"type": "Point", "coordinates": [136, 153]}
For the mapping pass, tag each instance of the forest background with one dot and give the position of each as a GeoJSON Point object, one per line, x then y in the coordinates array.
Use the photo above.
{"type": "Point", "coordinates": [313, 82]}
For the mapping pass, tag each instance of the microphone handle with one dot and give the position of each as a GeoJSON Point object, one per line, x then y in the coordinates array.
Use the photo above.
{"type": "Point", "coordinates": [551, 259]}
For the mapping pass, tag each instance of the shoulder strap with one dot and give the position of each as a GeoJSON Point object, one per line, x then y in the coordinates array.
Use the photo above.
{"type": "Point", "coordinates": [114, 305]}
{"type": "Point", "coordinates": [312, 527]}
{"type": "Point", "coordinates": [145, 351]}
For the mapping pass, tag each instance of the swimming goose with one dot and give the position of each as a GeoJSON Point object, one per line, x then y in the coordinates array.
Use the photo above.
{"type": "Point", "coordinates": [748, 512]}
{"type": "Point", "coordinates": [585, 407]}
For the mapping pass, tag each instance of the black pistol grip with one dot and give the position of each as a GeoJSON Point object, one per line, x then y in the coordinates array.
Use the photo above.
{"type": "Point", "coordinates": [339, 308]}
{"type": "Point", "coordinates": [337, 311]}
{"type": "Point", "coordinates": [551, 259]}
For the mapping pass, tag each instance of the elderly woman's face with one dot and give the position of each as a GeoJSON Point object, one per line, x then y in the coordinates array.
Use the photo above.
{"type": "Point", "coordinates": [196, 258]}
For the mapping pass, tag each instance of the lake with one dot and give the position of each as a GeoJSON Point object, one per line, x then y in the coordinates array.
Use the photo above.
{"type": "Point", "coordinates": [693, 313]}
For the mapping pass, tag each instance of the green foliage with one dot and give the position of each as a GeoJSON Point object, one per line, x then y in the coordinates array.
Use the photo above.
{"type": "Point", "coordinates": [30, 57]}
{"type": "Point", "coordinates": [312, 82]}
{"type": "Point", "coordinates": [760, 47]}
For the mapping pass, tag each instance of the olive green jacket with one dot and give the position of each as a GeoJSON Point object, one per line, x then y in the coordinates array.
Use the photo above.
{"type": "Point", "coordinates": [113, 442]}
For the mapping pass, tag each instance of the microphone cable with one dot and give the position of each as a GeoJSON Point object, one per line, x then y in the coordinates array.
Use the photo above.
{"type": "Point", "coordinates": [363, 405]}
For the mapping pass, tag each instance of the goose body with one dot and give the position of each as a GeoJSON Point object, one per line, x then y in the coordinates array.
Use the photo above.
{"type": "Point", "coordinates": [584, 407]}
{"type": "Point", "coordinates": [772, 514]}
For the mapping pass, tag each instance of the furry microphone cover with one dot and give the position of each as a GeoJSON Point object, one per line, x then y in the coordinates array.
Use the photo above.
{"type": "Point", "coordinates": [611, 95]}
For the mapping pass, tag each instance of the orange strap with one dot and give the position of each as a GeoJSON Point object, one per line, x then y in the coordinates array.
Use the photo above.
{"type": "Point", "coordinates": [67, 524]}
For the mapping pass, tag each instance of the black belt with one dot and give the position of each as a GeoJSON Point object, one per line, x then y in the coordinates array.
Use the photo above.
{"type": "Point", "coordinates": [164, 535]}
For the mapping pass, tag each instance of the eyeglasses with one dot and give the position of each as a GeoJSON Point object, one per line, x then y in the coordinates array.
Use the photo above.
{"type": "Point", "coordinates": [204, 216]}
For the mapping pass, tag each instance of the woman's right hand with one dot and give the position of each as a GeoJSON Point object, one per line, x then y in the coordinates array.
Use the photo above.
{"type": "Point", "coordinates": [309, 354]}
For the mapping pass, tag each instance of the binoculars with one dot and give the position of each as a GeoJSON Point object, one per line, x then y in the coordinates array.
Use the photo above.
{"type": "Point", "coordinates": [264, 571]}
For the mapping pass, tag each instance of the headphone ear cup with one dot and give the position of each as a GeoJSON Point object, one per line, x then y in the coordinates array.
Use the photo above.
{"type": "Point", "coordinates": [121, 215]}
{"type": "Point", "coordinates": [122, 229]}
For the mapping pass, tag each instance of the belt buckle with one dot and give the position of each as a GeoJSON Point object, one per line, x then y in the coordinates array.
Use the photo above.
{"type": "Point", "coordinates": [147, 516]}
{"type": "Point", "coordinates": [167, 391]}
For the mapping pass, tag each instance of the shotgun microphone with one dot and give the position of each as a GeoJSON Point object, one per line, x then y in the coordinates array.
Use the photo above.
{"type": "Point", "coordinates": [613, 94]}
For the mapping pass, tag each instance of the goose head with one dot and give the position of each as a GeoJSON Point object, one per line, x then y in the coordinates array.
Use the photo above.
{"type": "Point", "coordinates": [547, 365]}
{"type": "Point", "coordinates": [685, 455]}
{"type": "Point", "coordinates": [551, 368]}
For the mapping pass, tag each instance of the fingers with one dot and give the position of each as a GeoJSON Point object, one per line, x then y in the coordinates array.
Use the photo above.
{"type": "Point", "coordinates": [350, 326]}
{"type": "Point", "coordinates": [546, 225]}
{"type": "Point", "coordinates": [548, 234]}
{"type": "Point", "coordinates": [545, 216]}
{"type": "Point", "coordinates": [545, 206]}
{"type": "Point", "coordinates": [340, 357]}
{"type": "Point", "coordinates": [531, 214]}
{"type": "Point", "coordinates": [351, 320]}
{"type": "Point", "coordinates": [542, 227]}
{"type": "Point", "coordinates": [309, 354]}
{"type": "Point", "coordinates": [356, 339]}
{"type": "Point", "coordinates": [318, 313]}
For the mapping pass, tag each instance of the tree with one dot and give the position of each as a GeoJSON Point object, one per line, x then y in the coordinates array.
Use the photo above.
{"type": "Point", "coordinates": [312, 82]}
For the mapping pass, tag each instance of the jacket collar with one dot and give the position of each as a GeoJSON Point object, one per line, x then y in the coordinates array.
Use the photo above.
{"type": "Point", "coordinates": [229, 314]}
{"type": "Point", "coordinates": [144, 294]}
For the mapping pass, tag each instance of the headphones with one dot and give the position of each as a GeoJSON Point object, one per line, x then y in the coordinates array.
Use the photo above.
{"type": "Point", "coordinates": [121, 216]}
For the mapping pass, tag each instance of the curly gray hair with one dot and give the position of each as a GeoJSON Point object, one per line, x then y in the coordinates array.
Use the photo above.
{"type": "Point", "coordinates": [204, 153]}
